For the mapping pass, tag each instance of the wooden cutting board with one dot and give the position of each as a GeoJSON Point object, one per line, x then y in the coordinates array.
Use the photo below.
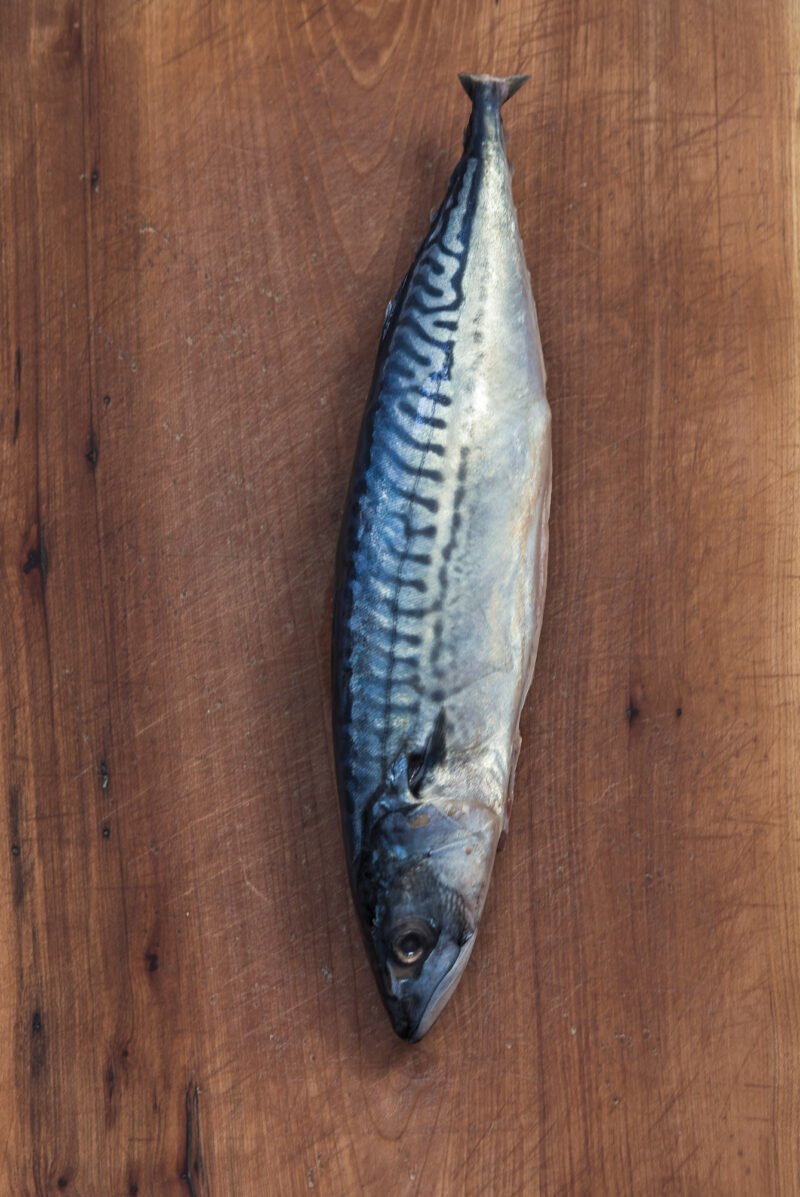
{"type": "Point", "coordinates": [205, 211]}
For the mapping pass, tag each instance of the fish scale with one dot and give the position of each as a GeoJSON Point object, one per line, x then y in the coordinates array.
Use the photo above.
{"type": "Point", "coordinates": [440, 581]}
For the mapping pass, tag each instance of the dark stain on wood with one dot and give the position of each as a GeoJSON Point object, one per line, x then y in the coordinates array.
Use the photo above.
{"type": "Point", "coordinates": [38, 1046]}
{"type": "Point", "coordinates": [17, 879]}
{"type": "Point", "coordinates": [36, 557]}
{"type": "Point", "coordinates": [193, 1173]}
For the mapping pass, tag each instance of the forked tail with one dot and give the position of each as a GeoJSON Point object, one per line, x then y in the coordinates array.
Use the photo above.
{"type": "Point", "coordinates": [492, 86]}
{"type": "Point", "coordinates": [488, 94]}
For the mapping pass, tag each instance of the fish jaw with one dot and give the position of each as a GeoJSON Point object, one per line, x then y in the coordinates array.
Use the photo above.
{"type": "Point", "coordinates": [411, 1019]}
{"type": "Point", "coordinates": [443, 992]}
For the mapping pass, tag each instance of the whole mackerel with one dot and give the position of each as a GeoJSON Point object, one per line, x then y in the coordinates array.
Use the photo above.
{"type": "Point", "coordinates": [440, 581]}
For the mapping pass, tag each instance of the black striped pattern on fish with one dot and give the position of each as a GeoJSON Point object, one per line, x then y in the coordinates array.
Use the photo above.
{"type": "Point", "coordinates": [392, 534]}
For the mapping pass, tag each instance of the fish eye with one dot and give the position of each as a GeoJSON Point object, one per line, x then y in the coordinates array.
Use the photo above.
{"type": "Point", "coordinates": [410, 944]}
{"type": "Point", "coordinates": [409, 947]}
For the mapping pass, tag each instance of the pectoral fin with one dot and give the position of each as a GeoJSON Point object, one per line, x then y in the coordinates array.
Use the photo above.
{"type": "Point", "coordinates": [421, 763]}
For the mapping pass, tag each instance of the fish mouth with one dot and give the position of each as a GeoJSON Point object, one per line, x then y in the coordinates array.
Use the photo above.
{"type": "Point", "coordinates": [414, 1029]}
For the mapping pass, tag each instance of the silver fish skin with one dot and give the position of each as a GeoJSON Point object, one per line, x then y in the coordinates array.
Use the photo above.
{"type": "Point", "coordinates": [441, 580]}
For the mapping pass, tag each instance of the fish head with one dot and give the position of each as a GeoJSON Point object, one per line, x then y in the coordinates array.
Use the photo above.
{"type": "Point", "coordinates": [420, 885]}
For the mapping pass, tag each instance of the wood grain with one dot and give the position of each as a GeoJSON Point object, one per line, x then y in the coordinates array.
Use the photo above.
{"type": "Point", "coordinates": [206, 210]}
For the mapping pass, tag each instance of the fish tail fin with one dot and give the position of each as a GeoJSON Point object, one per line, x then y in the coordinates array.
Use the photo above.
{"type": "Point", "coordinates": [497, 87]}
